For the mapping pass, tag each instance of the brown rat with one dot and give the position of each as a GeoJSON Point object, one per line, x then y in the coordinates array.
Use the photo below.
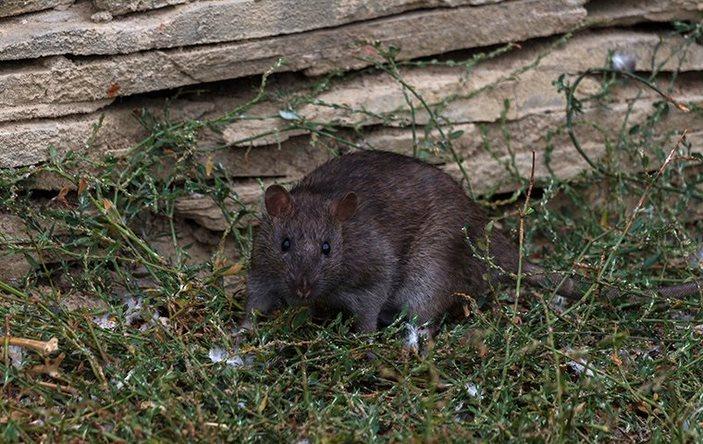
{"type": "Point", "coordinates": [376, 234]}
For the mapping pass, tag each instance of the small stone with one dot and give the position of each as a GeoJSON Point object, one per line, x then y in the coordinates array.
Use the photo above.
{"type": "Point", "coordinates": [624, 61]}
{"type": "Point", "coordinates": [232, 359]}
{"type": "Point", "coordinates": [217, 354]}
{"type": "Point", "coordinates": [101, 17]}
{"type": "Point", "coordinates": [474, 391]}
{"type": "Point", "coordinates": [105, 322]}
{"type": "Point", "coordinates": [16, 355]}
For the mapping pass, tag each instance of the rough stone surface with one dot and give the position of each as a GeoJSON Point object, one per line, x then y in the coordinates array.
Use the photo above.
{"type": "Point", "coordinates": [117, 7]}
{"type": "Point", "coordinates": [16, 7]}
{"type": "Point", "coordinates": [627, 12]}
{"type": "Point", "coordinates": [528, 133]}
{"type": "Point", "coordinates": [290, 159]}
{"type": "Point", "coordinates": [529, 92]}
{"type": "Point", "coordinates": [12, 228]}
{"type": "Point", "coordinates": [13, 231]}
{"type": "Point", "coordinates": [204, 210]}
{"type": "Point", "coordinates": [27, 143]}
{"type": "Point", "coordinates": [12, 267]}
{"type": "Point", "coordinates": [62, 80]}
{"type": "Point", "coordinates": [43, 110]}
{"type": "Point", "coordinates": [72, 31]}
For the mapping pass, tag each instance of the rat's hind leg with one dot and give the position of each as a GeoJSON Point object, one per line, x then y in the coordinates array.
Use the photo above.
{"type": "Point", "coordinates": [426, 293]}
{"type": "Point", "coordinates": [438, 268]}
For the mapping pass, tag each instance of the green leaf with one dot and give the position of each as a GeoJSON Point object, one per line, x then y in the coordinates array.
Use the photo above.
{"type": "Point", "coordinates": [456, 134]}
{"type": "Point", "coordinates": [299, 319]}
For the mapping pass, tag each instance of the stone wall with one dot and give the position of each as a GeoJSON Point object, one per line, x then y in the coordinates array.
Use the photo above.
{"type": "Point", "coordinates": [67, 65]}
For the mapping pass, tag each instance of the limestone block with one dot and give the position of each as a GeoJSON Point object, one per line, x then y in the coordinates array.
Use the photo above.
{"type": "Point", "coordinates": [13, 232]}
{"type": "Point", "coordinates": [203, 209]}
{"type": "Point", "coordinates": [12, 267]}
{"type": "Point", "coordinates": [289, 159]}
{"type": "Point", "coordinates": [28, 143]}
{"type": "Point", "coordinates": [453, 90]}
{"type": "Point", "coordinates": [201, 22]}
{"type": "Point", "coordinates": [117, 7]}
{"type": "Point", "coordinates": [112, 131]}
{"type": "Point", "coordinates": [279, 7]}
{"type": "Point", "coordinates": [493, 169]}
{"type": "Point", "coordinates": [43, 110]}
{"type": "Point", "coordinates": [62, 80]}
{"type": "Point", "coordinates": [627, 12]}
{"type": "Point", "coordinates": [16, 7]}
{"type": "Point", "coordinates": [12, 228]}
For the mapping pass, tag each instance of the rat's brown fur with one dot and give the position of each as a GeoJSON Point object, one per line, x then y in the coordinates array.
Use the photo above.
{"type": "Point", "coordinates": [404, 237]}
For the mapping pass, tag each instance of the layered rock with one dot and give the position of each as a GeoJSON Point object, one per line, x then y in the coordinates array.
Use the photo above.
{"type": "Point", "coordinates": [71, 32]}
{"type": "Point", "coordinates": [475, 96]}
{"type": "Point", "coordinates": [494, 164]}
{"type": "Point", "coordinates": [63, 80]}
{"type": "Point", "coordinates": [17, 7]}
{"type": "Point", "coordinates": [118, 7]}
{"type": "Point", "coordinates": [479, 95]}
{"type": "Point", "coordinates": [225, 39]}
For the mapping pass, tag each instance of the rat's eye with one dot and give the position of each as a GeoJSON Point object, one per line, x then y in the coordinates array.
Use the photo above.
{"type": "Point", "coordinates": [326, 248]}
{"type": "Point", "coordinates": [285, 246]}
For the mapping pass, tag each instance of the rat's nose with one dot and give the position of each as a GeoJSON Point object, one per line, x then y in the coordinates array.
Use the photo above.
{"type": "Point", "coordinates": [303, 288]}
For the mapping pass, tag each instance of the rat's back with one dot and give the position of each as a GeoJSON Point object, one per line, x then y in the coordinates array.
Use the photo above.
{"type": "Point", "coordinates": [371, 171]}
{"type": "Point", "coordinates": [400, 193]}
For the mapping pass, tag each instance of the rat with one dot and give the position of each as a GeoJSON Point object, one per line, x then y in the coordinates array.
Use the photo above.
{"type": "Point", "coordinates": [377, 234]}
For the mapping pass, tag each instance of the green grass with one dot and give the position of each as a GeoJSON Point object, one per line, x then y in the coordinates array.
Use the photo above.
{"type": "Point", "coordinates": [508, 371]}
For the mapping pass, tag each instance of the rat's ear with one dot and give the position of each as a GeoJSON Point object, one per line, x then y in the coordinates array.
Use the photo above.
{"type": "Point", "coordinates": [278, 200]}
{"type": "Point", "coordinates": [346, 207]}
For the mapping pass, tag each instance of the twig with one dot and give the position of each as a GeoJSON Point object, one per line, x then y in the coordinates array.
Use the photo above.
{"type": "Point", "coordinates": [216, 425]}
{"type": "Point", "coordinates": [571, 108]}
{"type": "Point", "coordinates": [43, 347]}
{"type": "Point", "coordinates": [58, 387]}
{"type": "Point", "coordinates": [521, 235]}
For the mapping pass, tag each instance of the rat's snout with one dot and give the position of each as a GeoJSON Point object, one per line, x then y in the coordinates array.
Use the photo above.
{"type": "Point", "coordinates": [303, 288]}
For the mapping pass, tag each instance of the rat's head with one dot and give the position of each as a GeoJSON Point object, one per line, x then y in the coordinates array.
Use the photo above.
{"type": "Point", "coordinates": [305, 239]}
